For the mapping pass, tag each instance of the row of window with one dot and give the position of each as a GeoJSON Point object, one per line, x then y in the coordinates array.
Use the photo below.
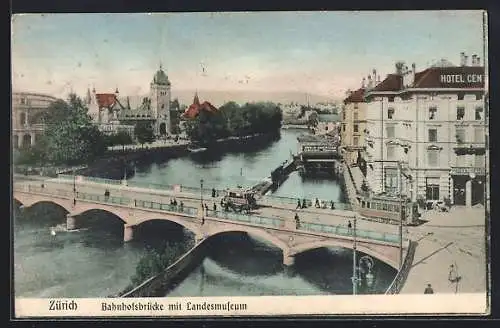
{"type": "Point", "coordinates": [460, 113]}
{"type": "Point", "coordinates": [433, 158]}
{"type": "Point", "coordinates": [380, 206]}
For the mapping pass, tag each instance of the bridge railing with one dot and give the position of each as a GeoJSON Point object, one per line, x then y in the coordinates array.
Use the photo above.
{"type": "Point", "coordinates": [252, 219]}
{"type": "Point", "coordinates": [309, 202]}
{"type": "Point", "coordinates": [103, 198]}
{"type": "Point", "coordinates": [343, 231]}
{"type": "Point", "coordinates": [166, 207]}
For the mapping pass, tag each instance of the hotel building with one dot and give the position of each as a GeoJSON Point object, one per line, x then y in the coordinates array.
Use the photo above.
{"type": "Point", "coordinates": [425, 133]}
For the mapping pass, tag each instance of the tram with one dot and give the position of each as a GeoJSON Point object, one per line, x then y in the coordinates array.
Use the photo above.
{"type": "Point", "coordinates": [388, 209]}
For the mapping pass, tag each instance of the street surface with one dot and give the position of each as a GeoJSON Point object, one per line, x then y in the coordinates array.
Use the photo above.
{"type": "Point", "coordinates": [456, 237]}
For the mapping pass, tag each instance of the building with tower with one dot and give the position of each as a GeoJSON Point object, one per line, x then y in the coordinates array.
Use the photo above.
{"type": "Point", "coordinates": [113, 113]}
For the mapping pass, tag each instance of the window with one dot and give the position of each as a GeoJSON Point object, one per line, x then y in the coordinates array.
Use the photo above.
{"type": "Point", "coordinates": [460, 135]}
{"type": "Point", "coordinates": [391, 180]}
{"type": "Point", "coordinates": [355, 141]}
{"type": "Point", "coordinates": [343, 115]}
{"type": "Point", "coordinates": [391, 149]}
{"type": "Point", "coordinates": [433, 135]}
{"type": "Point", "coordinates": [432, 158]}
{"type": "Point", "coordinates": [356, 128]}
{"type": "Point", "coordinates": [355, 116]}
{"type": "Point", "coordinates": [23, 101]}
{"type": "Point", "coordinates": [355, 105]}
{"type": "Point", "coordinates": [432, 113]}
{"type": "Point", "coordinates": [460, 113]}
{"type": "Point", "coordinates": [343, 127]}
{"type": "Point", "coordinates": [479, 113]}
{"type": "Point", "coordinates": [390, 131]}
{"type": "Point", "coordinates": [326, 127]}
{"type": "Point", "coordinates": [390, 113]}
{"type": "Point", "coordinates": [478, 135]}
{"type": "Point", "coordinates": [432, 188]}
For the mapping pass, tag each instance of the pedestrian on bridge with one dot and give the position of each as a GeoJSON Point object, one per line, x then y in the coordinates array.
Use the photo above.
{"type": "Point", "coordinates": [182, 205]}
{"type": "Point", "coordinates": [299, 205]}
{"type": "Point", "coordinates": [349, 227]}
{"type": "Point", "coordinates": [215, 207]}
{"type": "Point", "coordinates": [213, 193]}
{"type": "Point", "coordinates": [297, 221]}
{"type": "Point", "coordinates": [332, 205]}
{"type": "Point", "coordinates": [428, 289]}
{"type": "Point", "coordinates": [304, 204]}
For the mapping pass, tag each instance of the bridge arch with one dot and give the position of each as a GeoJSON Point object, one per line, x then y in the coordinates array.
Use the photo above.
{"type": "Point", "coordinates": [29, 200]}
{"type": "Point", "coordinates": [300, 248]}
{"type": "Point", "coordinates": [190, 226]}
{"type": "Point", "coordinates": [261, 233]}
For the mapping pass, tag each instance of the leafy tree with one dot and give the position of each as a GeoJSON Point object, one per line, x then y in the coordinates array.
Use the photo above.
{"type": "Point", "coordinates": [144, 132]}
{"type": "Point", "coordinates": [70, 136]}
{"type": "Point", "coordinates": [234, 120]}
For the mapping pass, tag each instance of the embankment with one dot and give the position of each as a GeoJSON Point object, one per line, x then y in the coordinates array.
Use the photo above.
{"type": "Point", "coordinates": [400, 279]}
{"type": "Point", "coordinates": [161, 284]}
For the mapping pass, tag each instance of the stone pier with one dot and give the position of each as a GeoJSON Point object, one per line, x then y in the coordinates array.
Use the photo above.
{"type": "Point", "coordinates": [128, 233]}
{"type": "Point", "coordinates": [288, 260]}
{"type": "Point", "coordinates": [70, 222]}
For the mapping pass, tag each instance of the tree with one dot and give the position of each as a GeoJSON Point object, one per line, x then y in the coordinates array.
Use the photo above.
{"type": "Point", "coordinates": [70, 136]}
{"type": "Point", "coordinates": [144, 132]}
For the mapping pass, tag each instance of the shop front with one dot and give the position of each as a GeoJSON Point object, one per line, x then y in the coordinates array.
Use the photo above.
{"type": "Point", "coordinates": [468, 185]}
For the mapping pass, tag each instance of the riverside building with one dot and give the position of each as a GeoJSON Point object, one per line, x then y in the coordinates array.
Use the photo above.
{"type": "Point", "coordinates": [425, 133]}
{"type": "Point", "coordinates": [113, 113]}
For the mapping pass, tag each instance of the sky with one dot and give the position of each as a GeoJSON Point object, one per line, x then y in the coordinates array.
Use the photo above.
{"type": "Point", "coordinates": [322, 53]}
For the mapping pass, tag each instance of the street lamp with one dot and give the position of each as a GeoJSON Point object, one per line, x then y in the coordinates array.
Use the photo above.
{"type": "Point", "coordinates": [201, 200]}
{"type": "Point", "coordinates": [354, 271]}
{"type": "Point", "coordinates": [402, 212]}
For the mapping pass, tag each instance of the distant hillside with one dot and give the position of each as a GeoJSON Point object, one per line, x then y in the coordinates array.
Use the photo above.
{"type": "Point", "coordinates": [218, 98]}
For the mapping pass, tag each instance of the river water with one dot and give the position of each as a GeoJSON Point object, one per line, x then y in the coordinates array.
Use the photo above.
{"type": "Point", "coordinates": [96, 263]}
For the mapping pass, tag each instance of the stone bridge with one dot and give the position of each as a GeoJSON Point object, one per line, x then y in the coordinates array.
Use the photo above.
{"type": "Point", "coordinates": [279, 232]}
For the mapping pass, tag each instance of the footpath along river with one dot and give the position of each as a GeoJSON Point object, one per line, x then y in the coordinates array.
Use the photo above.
{"type": "Point", "coordinates": [96, 263]}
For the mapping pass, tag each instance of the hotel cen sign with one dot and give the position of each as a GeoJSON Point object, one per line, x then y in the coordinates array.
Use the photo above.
{"type": "Point", "coordinates": [461, 77]}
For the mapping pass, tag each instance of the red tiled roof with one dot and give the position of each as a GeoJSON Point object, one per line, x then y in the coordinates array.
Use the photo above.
{"type": "Point", "coordinates": [195, 109]}
{"type": "Point", "coordinates": [105, 99]}
{"type": "Point", "coordinates": [355, 96]}
{"type": "Point", "coordinates": [393, 82]}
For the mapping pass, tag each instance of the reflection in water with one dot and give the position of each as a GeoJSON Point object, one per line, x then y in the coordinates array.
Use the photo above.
{"type": "Point", "coordinates": [238, 265]}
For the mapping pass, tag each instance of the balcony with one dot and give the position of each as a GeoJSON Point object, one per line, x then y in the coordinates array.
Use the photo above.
{"type": "Point", "coordinates": [469, 148]}
{"type": "Point", "coordinates": [457, 170]}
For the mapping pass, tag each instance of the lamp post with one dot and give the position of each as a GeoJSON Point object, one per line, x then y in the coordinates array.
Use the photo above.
{"type": "Point", "coordinates": [201, 200]}
{"type": "Point", "coordinates": [402, 212]}
{"type": "Point", "coordinates": [354, 260]}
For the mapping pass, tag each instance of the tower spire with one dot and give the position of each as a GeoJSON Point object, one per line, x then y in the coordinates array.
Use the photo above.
{"type": "Point", "coordinates": [196, 100]}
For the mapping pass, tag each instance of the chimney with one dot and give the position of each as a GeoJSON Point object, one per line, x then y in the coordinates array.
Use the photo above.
{"type": "Point", "coordinates": [363, 83]}
{"type": "Point", "coordinates": [378, 79]}
{"type": "Point", "coordinates": [462, 59]}
{"type": "Point", "coordinates": [473, 63]}
{"type": "Point", "coordinates": [478, 61]}
{"type": "Point", "coordinates": [369, 81]}
{"type": "Point", "coordinates": [466, 58]}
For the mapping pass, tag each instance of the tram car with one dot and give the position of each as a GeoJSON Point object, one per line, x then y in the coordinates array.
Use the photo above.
{"type": "Point", "coordinates": [388, 209]}
{"type": "Point", "coordinates": [239, 200]}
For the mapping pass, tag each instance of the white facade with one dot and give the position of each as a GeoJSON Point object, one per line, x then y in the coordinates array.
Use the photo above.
{"type": "Point", "coordinates": [427, 142]}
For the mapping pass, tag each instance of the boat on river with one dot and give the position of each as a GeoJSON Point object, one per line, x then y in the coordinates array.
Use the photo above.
{"type": "Point", "coordinates": [61, 228]}
{"type": "Point", "coordinates": [196, 148]}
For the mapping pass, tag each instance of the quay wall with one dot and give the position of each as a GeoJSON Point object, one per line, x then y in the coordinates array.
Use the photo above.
{"type": "Point", "coordinates": [400, 279]}
{"type": "Point", "coordinates": [159, 285]}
